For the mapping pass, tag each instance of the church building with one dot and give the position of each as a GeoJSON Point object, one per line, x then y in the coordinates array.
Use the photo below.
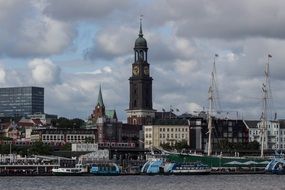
{"type": "Point", "coordinates": [106, 121]}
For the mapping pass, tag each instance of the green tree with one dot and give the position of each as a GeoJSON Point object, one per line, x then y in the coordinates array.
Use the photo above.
{"type": "Point", "coordinates": [6, 138]}
{"type": "Point", "coordinates": [40, 148]}
{"type": "Point", "coordinates": [181, 145]}
{"type": "Point", "coordinates": [77, 123]}
{"type": "Point", "coordinates": [5, 149]}
{"type": "Point", "coordinates": [63, 122]}
{"type": "Point", "coordinates": [66, 147]}
{"type": "Point", "coordinates": [166, 146]}
{"type": "Point", "coordinates": [89, 140]}
{"type": "Point", "coordinates": [253, 145]}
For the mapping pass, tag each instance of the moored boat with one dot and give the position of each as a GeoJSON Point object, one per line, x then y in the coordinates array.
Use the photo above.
{"type": "Point", "coordinates": [108, 169]}
{"type": "Point", "coordinates": [276, 165]}
{"type": "Point", "coordinates": [78, 170]}
{"type": "Point", "coordinates": [152, 166]}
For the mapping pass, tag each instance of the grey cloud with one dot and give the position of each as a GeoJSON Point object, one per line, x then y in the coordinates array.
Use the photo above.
{"type": "Point", "coordinates": [26, 32]}
{"type": "Point", "coordinates": [72, 10]}
{"type": "Point", "coordinates": [111, 42]}
{"type": "Point", "coordinates": [222, 19]}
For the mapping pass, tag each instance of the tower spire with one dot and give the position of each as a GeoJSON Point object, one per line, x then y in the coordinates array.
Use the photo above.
{"type": "Point", "coordinates": [100, 98]}
{"type": "Point", "coordinates": [141, 33]}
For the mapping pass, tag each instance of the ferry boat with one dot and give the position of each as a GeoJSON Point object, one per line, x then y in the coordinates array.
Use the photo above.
{"type": "Point", "coordinates": [78, 170]}
{"type": "Point", "coordinates": [186, 169]}
{"type": "Point", "coordinates": [108, 169]}
{"type": "Point", "coordinates": [276, 165]}
{"type": "Point", "coordinates": [153, 166]}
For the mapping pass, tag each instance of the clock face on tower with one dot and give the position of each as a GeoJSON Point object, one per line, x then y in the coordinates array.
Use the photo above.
{"type": "Point", "coordinates": [146, 70]}
{"type": "Point", "coordinates": [136, 70]}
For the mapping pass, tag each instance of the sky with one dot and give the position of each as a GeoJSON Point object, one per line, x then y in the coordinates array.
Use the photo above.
{"type": "Point", "coordinates": [70, 47]}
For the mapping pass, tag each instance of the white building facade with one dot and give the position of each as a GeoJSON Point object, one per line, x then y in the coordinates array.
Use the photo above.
{"type": "Point", "coordinates": [274, 134]}
{"type": "Point", "coordinates": [155, 135]}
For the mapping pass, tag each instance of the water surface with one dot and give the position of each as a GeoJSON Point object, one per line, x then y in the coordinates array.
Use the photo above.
{"type": "Point", "coordinates": [207, 182]}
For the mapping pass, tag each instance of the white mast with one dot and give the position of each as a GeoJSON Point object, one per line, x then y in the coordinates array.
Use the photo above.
{"type": "Point", "coordinates": [210, 112]}
{"type": "Point", "coordinates": [265, 91]}
{"type": "Point", "coordinates": [210, 121]}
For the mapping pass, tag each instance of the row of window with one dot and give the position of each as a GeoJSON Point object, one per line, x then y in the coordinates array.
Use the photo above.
{"type": "Point", "coordinates": [148, 142]}
{"type": "Point", "coordinates": [162, 136]}
{"type": "Point", "coordinates": [257, 132]}
{"type": "Point", "coordinates": [69, 137]}
{"type": "Point", "coordinates": [281, 146]}
{"type": "Point", "coordinates": [148, 129]}
{"type": "Point", "coordinates": [147, 135]}
{"type": "Point", "coordinates": [172, 129]}
{"type": "Point", "coordinates": [281, 139]}
{"type": "Point", "coordinates": [269, 126]}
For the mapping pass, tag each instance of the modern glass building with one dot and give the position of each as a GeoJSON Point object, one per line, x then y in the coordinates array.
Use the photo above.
{"type": "Point", "coordinates": [21, 101]}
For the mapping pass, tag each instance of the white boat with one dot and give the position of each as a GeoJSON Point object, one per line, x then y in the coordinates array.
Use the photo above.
{"type": "Point", "coordinates": [276, 165]}
{"type": "Point", "coordinates": [78, 170]}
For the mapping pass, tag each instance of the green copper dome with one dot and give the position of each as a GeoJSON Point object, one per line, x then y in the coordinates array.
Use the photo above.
{"type": "Point", "coordinates": [140, 43]}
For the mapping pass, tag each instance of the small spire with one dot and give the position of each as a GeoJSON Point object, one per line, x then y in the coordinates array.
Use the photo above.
{"type": "Point", "coordinates": [141, 33]}
{"type": "Point", "coordinates": [100, 98]}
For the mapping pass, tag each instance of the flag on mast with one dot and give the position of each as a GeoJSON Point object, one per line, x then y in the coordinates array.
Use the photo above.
{"type": "Point", "coordinates": [269, 55]}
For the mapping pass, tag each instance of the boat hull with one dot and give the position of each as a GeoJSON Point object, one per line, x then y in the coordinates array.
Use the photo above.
{"type": "Point", "coordinates": [192, 172]}
{"type": "Point", "coordinates": [77, 171]}
{"type": "Point", "coordinates": [214, 161]}
{"type": "Point", "coordinates": [68, 174]}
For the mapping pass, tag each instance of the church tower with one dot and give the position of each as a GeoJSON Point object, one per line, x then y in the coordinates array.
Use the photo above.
{"type": "Point", "coordinates": [140, 110]}
{"type": "Point", "coordinates": [99, 110]}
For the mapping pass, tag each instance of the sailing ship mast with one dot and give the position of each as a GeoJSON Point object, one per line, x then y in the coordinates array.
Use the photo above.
{"type": "Point", "coordinates": [265, 91]}
{"type": "Point", "coordinates": [210, 99]}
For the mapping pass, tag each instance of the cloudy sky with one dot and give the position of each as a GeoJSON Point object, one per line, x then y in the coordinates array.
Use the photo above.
{"type": "Point", "coordinates": [70, 47]}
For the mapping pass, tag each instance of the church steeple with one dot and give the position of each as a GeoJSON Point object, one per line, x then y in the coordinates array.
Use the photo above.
{"type": "Point", "coordinates": [100, 98]}
{"type": "Point", "coordinates": [141, 33]}
{"type": "Point", "coordinates": [99, 110]}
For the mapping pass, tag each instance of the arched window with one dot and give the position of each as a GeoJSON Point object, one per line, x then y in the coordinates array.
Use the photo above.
{"type": "Point", "coordinates": [141, 55]}
{"type": "Point", "coordinates": [136, 55]}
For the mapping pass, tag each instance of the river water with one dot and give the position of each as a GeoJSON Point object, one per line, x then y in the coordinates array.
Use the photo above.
{"type": "Point", "coordinates": [207, 182]}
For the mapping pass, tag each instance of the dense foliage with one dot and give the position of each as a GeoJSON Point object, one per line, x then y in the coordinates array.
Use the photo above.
{"type": "Point", "coordinates": [180, 145]}
{"type": "Point", "coordinates": [63, 122]}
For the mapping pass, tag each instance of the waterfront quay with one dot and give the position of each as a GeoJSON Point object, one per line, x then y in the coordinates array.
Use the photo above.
{"type": "Point", "coordinates": [35, 166]}
{"type": "Point", "coordinates": [26, 170]}
{"type": "Point", "coordinates": [12, 165]}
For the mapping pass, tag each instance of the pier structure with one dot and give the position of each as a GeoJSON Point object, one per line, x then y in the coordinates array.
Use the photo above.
{"type": "Point", "coordinates": [12, 164]}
